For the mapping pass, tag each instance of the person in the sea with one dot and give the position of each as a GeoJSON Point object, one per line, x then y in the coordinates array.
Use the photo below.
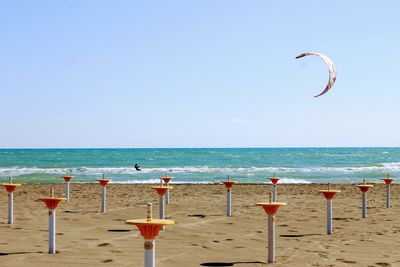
{"type": "Point", "coordinates": [137, 167]}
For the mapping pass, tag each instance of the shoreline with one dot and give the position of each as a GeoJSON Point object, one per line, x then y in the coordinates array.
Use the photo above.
{"type": "Point", "coordinates": [191, 183]}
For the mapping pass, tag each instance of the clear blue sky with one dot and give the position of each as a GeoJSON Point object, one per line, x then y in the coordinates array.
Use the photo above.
{"type": "Point", "coordinates": [198, 73]}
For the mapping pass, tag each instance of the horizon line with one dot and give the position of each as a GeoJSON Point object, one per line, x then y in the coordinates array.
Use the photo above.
{"type": "Point", "coordinates": [244, 147]}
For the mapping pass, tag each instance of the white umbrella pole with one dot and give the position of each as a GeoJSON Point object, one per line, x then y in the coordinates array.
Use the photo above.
{"type": "Point", "coordinates": [67, 191]}
{"type": "Point", "coordinates": [149, 253]}
{"type": "Point", "coordinates": [228, 202]}
{"type": "Point", "coordinates": [52, 231]}
{"type": "Point", "coordinates": [10, 208]}
{"type": "Point", "coordinates": [167, 197]}
{"type": "Point", "coordinates": [103, 199]}
{"type": "Point", "coordinates": [388, 196]}
{"type": "Point", "coordinates": [329, 216]}
{"type": "Point", "coordinates": [162, 210]}
{"type": "Point", "coordinates": [274, 193]}
{"type": "Point", "coordinates": [271, 238]}
{"type": "Point", "coordinates": [364, 205]}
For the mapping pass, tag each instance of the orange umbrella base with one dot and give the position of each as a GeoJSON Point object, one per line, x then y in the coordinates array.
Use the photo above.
{"type": "Point", "coordinates": [274, 180]}
{"type": "Point", "coordinates": [161, 190]}
{"type": "Point", "coordinates": [388, 180]}
{"type": "Point", "coordinates": [52, 202]}
{"type": "Point", "coordinates": [272, 207]}
{"type": "Point", "coordinates": [329, 194]}
{"type": "Point", "coordinates": [10, 187]}
{"type": "Point", "coordinates": [229, 184]}
{"type": "Point", "coordinates": [103, 182]}
{"type": "Point", "coordinates": [166, 179]}
{"type": "Point", "coordinates": [364, 187]}
{"type": "Point", "coordinates": [67, 178]}
{"type": "Point", "coordinates": [150, 228]}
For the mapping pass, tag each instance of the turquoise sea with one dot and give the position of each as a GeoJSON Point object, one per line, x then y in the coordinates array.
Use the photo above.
{"type": "Point", "coordinates": [201, 165]}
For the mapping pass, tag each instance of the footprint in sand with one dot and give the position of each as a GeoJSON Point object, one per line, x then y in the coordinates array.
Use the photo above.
{"type": "Point", "coordinates": [197, 215]}
{"type": "Point", "coordinates": [217, 264]}
{"type": "Point", "coordinates": [323, 255]}
{"type": "Point", "coordinates": [299, 235]}
{"type": "Point", "coordinates": [107, 261]}
{"type": "Point", "coordinates": [347, 261]}
{"type": "Point", "coordinates": [383, 264]}
{"type": "Point", "coordinates": [344, 219]}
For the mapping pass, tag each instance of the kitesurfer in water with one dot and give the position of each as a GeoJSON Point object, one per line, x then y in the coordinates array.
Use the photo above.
{"type": "Point", "coordinates": [137, 167]}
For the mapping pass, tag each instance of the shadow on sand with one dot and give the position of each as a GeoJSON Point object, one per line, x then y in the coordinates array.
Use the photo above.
{"type": "Point", "coordinates": [16, 253]}
{"type": "Point", "coordinates": [230, 263]}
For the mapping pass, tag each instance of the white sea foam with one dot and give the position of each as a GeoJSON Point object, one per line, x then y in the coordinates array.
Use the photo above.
{"type": "Point", "coordinates": [392, 165]}
{"type": "Point", "coordinates": [16, 171]}
{"type": "Point", "coordinates": [293, 181]}
{"type": "Point", "coordinates": [249, 171]}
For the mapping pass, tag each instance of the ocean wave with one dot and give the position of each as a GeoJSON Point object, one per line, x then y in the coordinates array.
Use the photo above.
{"type": "Point", "coordinates": [391, 165]}
{"type": "Point", "coordinates": [249, 171]}
{"type": "Point", "coordinates": [17, 171]}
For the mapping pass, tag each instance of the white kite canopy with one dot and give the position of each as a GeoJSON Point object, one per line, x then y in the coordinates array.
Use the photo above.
{"type": "Point", "coordinates": [331, 68]}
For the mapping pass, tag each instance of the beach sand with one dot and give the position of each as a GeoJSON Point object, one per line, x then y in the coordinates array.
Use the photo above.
{"type": "Point", "coordinates": [202, 233]}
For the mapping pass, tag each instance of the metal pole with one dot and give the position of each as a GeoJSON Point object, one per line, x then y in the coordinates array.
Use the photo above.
{"type": "Point", "coordinates": [52, 231]}
{"type": "Point", "coordinates": [67, 191]}
{"type": "Point", "coordinates": [329, 216]}
{"type": "Point", "coordinates": [167, 196]}
{"type": "Point", "coordinates": [273, 192]}
{"type": "Point", "coordinates": [162, 211]}
{"type": "Point", "coordinates": [271, 238]}
{"type": "Point", "coordinates": [103, 200]}
{"type": "Point", "coordinates": [228, 202]}
{"type": "Point", "coordinates": [388, 196]}
{"type": "Point", "coordinates": [149, 253]}
{"type": "Point", "coordinates": [10, 208]}
{"type": "Point", "coordinates": [364, 205]}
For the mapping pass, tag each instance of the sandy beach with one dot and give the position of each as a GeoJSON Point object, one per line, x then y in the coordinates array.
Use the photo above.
{"type": "Point", "coordinates": [203, 235]}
